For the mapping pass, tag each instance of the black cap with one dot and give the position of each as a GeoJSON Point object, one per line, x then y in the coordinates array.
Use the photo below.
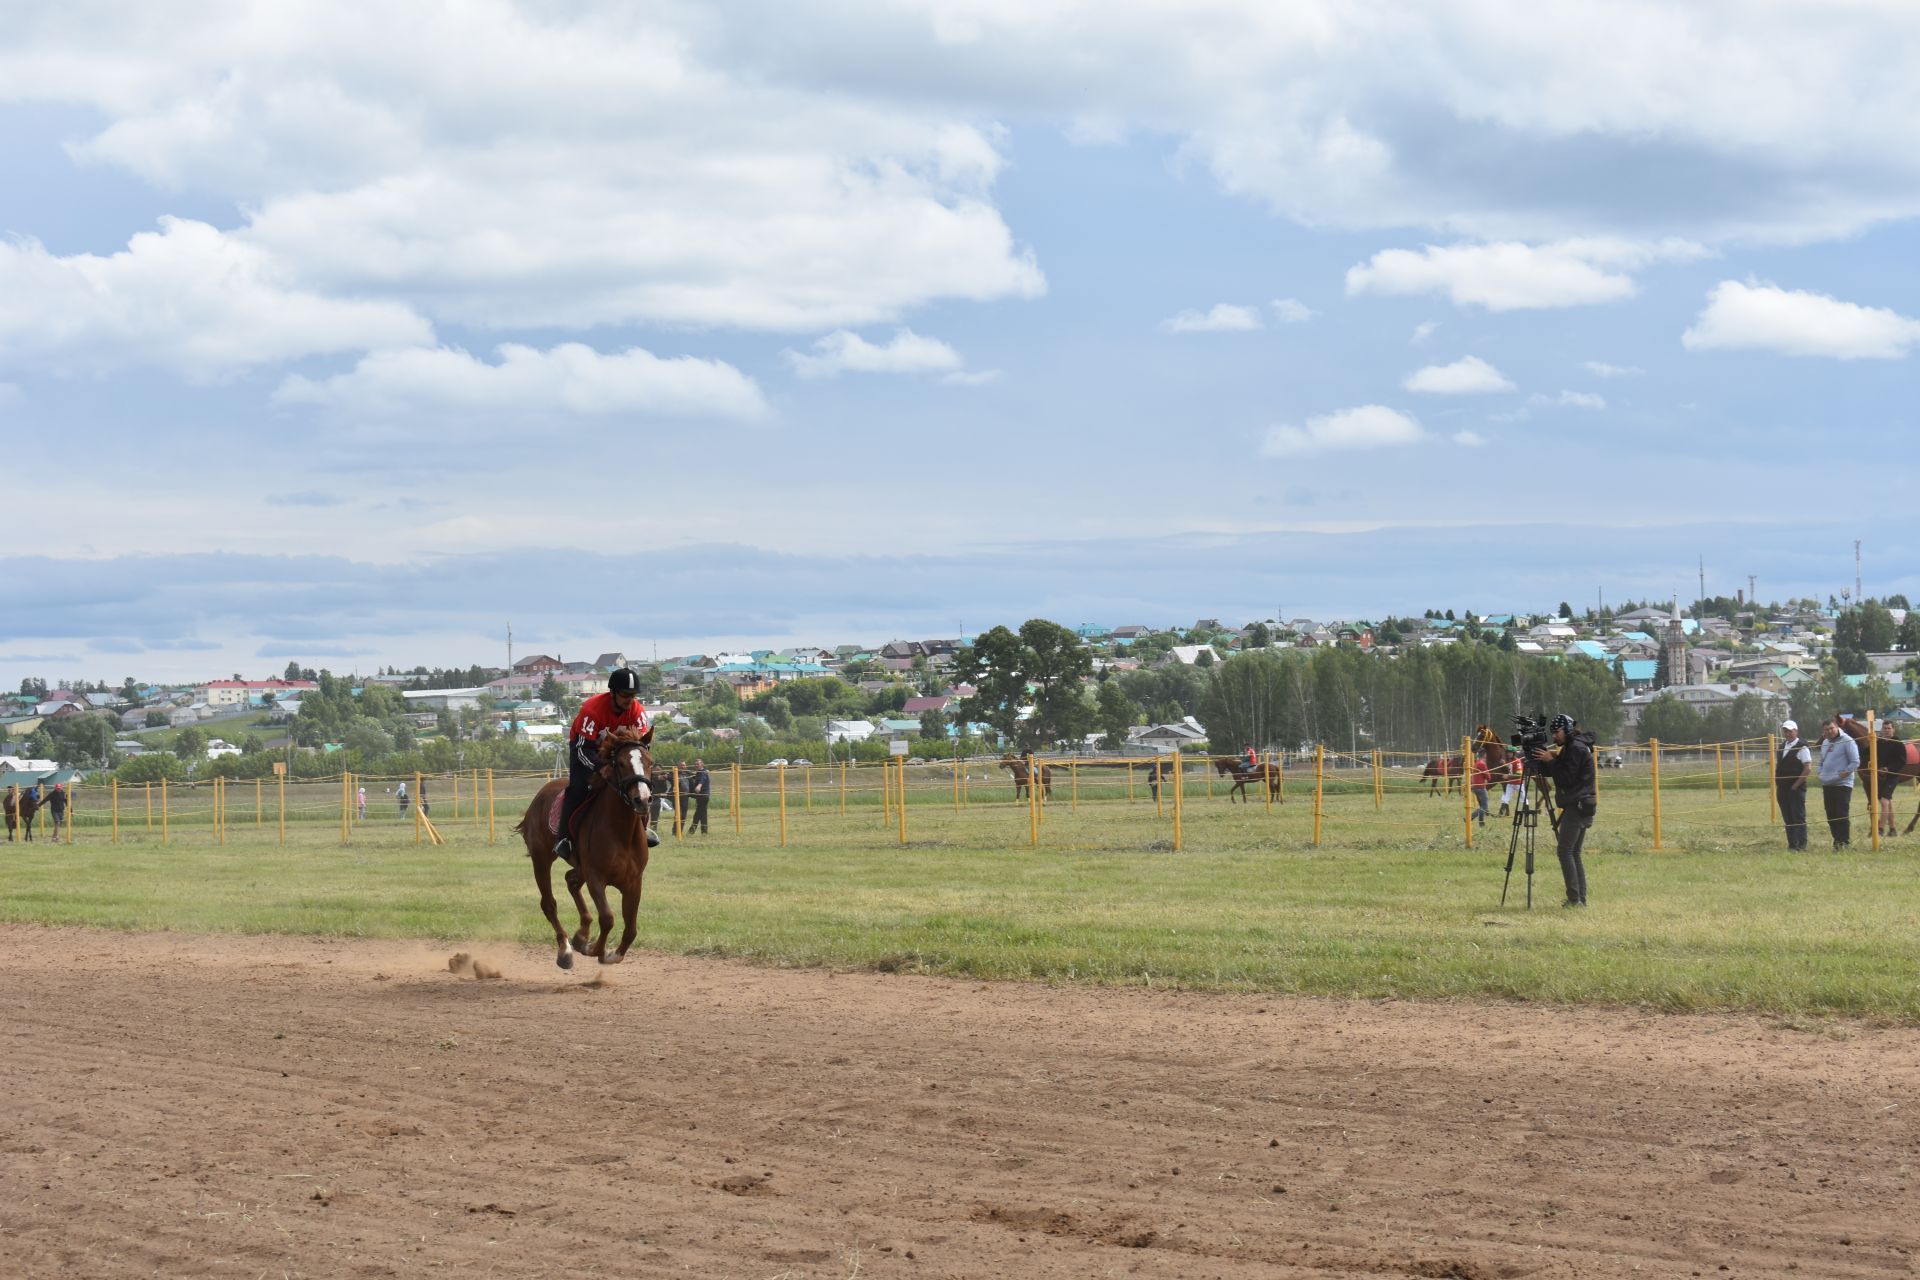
{"type": "Point", "coordinates": [624, 680]}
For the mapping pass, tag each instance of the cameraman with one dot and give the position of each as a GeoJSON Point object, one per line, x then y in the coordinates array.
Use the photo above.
{"type": "Point", "coordinates": [1569, 762]}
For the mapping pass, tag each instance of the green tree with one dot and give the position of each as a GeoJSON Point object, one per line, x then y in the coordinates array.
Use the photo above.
{"type": "Point", "coordinates": [1670, 720]}
{"type": "Point", "coordinates": [1907, 638]}
{"type": "Point", "coordinates": [1259, 637]}
{"type": "Point", "coordinates": [1041, 666]}
{"type": "Point", "coordinates": [190, 744]}
{"type": "Point", "coordinates": [156, 718]}
{"type": "Point", "coordinates": [551, 690]}
{"type": "Point", "coordinates": [1115, 713]}
{"type": "Point", "coordinates": [154, 766]}
{"type": "Point", "coordinates": [778, 713]}
{"type": "Point", "coordinates": [934, 724]}
{"type": "Point", "coordinates": [1877, 627]}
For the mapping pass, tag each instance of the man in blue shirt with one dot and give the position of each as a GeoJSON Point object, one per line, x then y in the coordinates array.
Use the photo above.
{"type": "Point", "coordinates": [1839, 761]}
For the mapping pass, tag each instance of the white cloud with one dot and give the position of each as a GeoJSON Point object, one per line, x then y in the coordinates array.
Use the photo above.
{"type": "Point", "coordinates": [1569, 400]}
{"type": "Point", "coordinates": [600, 164]}
{"type": "Point", "coordinates": [845, 352]}
{"type": "Point", "coordinates": [1423, 331]}
{"type": "Point", "coordinates": [1765, 317]}
{"type": "Point", "coordinates": [1510, 276]}
{"type": "Point", "coordinates": [1291, 311]}
{"type": "Point", "coordinates": [1368, 426]}
{"type": "Point", "coordinates": [435, 384]}
{"type": "Point", "coordinates": [1468, 375]}
{"type": "Point", "coordinates": [1224, 317]}
{"type": "Point", "coordinates": [1601, 369]}
{"type": "Point", "coordinates": [188, 298]}
{"type": "Point", "coordinates": [1469, 439]}
{"type": "Point", "coordinates": [975, 378]}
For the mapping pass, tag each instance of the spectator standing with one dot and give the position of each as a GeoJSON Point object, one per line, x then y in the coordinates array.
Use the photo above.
{"type": "Point", "coordinates": [400, 798]}
{"type": "Point", "coordinates": [57, 804]}
{"type": "Point", "coordinates": [1790, 785]}
{"type": "Point", "coordinates": [362, 801]}
{"type": "Point", "coordinates": [1480, 778]}
{"type": "Point", "coordinates": [1839, 761]}
{"type": "Point", "coordinates": [1514, 782]}
{"type": "Point", "coordinates": [701, 790]}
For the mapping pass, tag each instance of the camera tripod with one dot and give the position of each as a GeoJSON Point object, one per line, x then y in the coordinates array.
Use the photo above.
{"type": "Point", "coordinates": [1534, 796]}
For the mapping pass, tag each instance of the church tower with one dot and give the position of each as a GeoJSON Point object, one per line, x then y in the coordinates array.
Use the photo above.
{"type": "Point", "coordinates": [1674, 648]}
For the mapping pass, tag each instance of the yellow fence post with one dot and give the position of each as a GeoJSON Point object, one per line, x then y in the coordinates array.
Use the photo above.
{"type": "Point", "coordinates": [1719, 773]}
{"type": "Point", "coordinates": [677, 833]}
{"type": "Point", "coordinates": [13, 803]}
{"type": "Point", "coordinates": [903, 799]}
{"type": "Point", "coordinates": [1653, 746]}
{"type": "Point", "coordinates": [806, 781]}
{"type": "Point", "coordinates": [1280, 777]}
{"type": "Point", "coordinates": [1129, 782]}
{"type": "Point", "coordinates": [149, 787]}
{"type": "Point", "coordinates": [1267, 783]}
{"type": "Point", "coordinates": [166, 836]}
{"type": "Point", "coordinates": [1073, 782]}
{"type": "Point", "coordinates": [116, 811]}
{"type": "Point", "coordinates": [283, 808]}
{"type": "Point", "coordinates": [220, 809]}
{"type": "Point", "coordinates": [1738, 755]}
{"type": "Point", "coordinates": [1773, 792]}
{"type": "Point", "coordinates": [1319, 785]}
{"type": "Point", "coordinates": [1872, 776]}
{"type": "Point", "coordinates": [782, 770]}
{"type": "Point", "coordinates": [259, 809]}
{"type": "Point", "coordinates": [1376, 780]}
{"type": "Point", "coordinates": [1176, 812]}
{"type": "Point", "coordinates": [1180, 799]}
{"type": "Point", "coordinates": [419, 803]}
{"type": "Point", "coordinates": [958, 768]}
{"type": "Point", "coordinates": [1466, 787]}
{"type": "Point", "coordinates": [1033, 803]}
{"type": "Point", "coordinates": [843, 788]}
{"type": "Point", "coordinates": [489, 806]}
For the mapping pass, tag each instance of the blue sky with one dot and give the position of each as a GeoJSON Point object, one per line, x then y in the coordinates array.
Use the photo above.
{"type": "Point", "coordinates": [350, 334]}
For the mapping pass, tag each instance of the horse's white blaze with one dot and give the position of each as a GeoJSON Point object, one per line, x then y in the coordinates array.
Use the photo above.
{"type": "Point", "coordinates": [634, 762]}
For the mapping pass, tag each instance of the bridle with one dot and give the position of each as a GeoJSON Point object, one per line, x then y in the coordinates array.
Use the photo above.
{"type": "Point", "coordinates": [632, 789]}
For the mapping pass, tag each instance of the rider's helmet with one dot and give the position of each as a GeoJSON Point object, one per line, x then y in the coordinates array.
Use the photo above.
{"type": "Point", "coordinates": [623, 680]}
{"type": "Point", "coordinates": [1563, 721]}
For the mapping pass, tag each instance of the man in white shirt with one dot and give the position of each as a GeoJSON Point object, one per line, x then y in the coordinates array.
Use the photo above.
{"type": "Point", "coordinates": [1790, 772]}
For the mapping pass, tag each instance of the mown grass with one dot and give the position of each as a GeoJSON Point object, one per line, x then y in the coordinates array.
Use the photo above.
{"type": "Point", "coordinates": [1390, 905]}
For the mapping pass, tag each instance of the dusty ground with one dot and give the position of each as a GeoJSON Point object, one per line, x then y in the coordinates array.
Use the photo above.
{"type": "Point", "coordinates": [184, 1105]}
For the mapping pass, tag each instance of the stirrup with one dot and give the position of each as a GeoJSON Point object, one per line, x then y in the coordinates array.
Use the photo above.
{"type": "Point", "coordinates": [653, 838]}
{"type": "Point", "coordinates": [563, 850]}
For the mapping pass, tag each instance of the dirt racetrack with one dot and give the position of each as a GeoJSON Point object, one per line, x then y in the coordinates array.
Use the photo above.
{"type": "Point", "coordinates": [188, 1105]}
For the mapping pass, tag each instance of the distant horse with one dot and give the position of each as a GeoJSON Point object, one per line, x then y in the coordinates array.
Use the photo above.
{"type": "Point", "coordinates": [1237, 768]}
{"type": "Point", "coordinates": [1018, 768]}
{"type": "Point", "coordinates": [1443, 769]}
{"type": "Point", "coordinates": [1898, 761]}
{"type": "Point", "coordinates": [611, 828]}
{"type": "Point", "coordinates": [21, 810]}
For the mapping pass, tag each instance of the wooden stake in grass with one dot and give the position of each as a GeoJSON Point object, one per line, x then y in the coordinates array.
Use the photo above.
{"type": "Point", "coordinates": [1653, 748]}
{"type": "Point", "coordinates": [1319, 785]}
{"type": "Point", "coordinates": [1179, 800]}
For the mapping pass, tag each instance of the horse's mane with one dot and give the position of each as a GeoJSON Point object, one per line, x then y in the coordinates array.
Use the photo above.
{"type": "Point", "coordinates": [626, 733]}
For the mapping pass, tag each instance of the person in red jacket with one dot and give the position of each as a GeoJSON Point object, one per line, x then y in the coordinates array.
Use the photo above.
{"type": "Point", "coordinates": [618, 707]}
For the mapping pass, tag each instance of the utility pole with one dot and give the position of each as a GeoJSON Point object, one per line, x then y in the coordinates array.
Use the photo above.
{"type": "Point", "coordinates": [509, 648]}
{"type": "Point", "coordinates": [1703, 577]}
{"type": "Point", "coordinates": [1856, 571]}
{"type": "Point", "coordinates": [1751, 603]}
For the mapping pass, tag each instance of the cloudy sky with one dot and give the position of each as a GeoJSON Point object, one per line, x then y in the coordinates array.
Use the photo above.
{"type": "Point", "coordinates": [354, 333]}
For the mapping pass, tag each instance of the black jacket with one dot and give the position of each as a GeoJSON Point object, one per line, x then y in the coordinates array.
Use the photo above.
{"type": "Point", "coordinates": [1572, 772]}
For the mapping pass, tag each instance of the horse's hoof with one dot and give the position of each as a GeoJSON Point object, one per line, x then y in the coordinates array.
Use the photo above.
{"type": "Point", "coordinates": [612, 958]}
{"type": "Point", "coordinates": [564, 960]}
{"type": "Point", "coordinates": [579, 943]}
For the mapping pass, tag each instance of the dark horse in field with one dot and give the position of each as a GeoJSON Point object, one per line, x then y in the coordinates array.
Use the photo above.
{"type": "Point", "coordinates": [1242, 773]}
{"type": "Point", "coordinates": [1018, 768]}
{"type": "Point", "coordinates": [611, 835]}
{"type": "Point", "coordinates": [1898, 761]}
{"type": "Point", "coordinates": [22, 807]}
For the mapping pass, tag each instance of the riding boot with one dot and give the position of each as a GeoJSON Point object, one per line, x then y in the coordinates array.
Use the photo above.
{"type": "Point", "coordinates": [564, 847]}
{"type": "Point", "coordinates": [653, 837]}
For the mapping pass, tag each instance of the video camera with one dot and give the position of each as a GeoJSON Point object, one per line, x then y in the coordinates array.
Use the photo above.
{"type": "Point", "coordinates": [1530, 734]}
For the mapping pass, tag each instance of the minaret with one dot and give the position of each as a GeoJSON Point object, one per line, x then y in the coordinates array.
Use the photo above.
{"type": "Point", "coordinates": [1675, 644]}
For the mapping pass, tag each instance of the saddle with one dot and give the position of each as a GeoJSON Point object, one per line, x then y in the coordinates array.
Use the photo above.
{"type": "Point", "coordinates": [559, 800]}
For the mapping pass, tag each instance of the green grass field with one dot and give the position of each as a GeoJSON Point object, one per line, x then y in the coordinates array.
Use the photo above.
{"type": "Point", "coordinates": [1390, 905]}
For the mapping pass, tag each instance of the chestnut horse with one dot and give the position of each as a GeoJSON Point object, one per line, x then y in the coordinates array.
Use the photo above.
{"type": "Point", "coordinates": [612, 844]}
{"type": "Point", "coordinates": [1237, 768]}
{"type": "Point", "coordinates": [1899, 761]}
{"type": "Point", "coordinates": [1018, 768]}
{"type": "Point", "coordinates": [1452, 770]}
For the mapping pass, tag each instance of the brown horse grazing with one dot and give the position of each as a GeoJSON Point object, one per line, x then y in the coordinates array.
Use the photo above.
{"type": "Point", "coordinates": [1899, 761]}
{"type": "Point", "coordinates": [1236, 767]}
{"type": "Point", "coordinates": [1018, 768]}
{"type": "Point", "coordinates": [612, 840]}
